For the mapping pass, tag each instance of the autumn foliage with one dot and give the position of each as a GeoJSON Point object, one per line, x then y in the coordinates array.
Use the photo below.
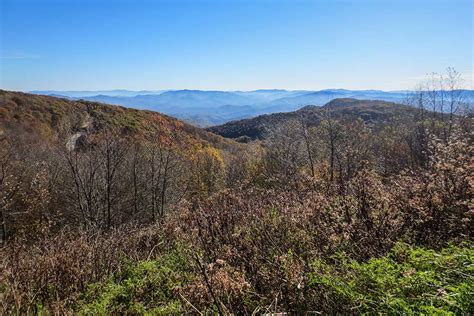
{"type": "Point", "coordinates": [339, 217]}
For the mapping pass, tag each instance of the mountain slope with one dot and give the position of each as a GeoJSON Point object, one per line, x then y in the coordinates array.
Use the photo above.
{"type": "Point", "coordinates": [50, 117]}
{"type": "Point", "coordinates": [373, 112]}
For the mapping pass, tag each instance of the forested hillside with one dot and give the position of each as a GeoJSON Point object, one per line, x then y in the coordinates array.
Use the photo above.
{"type": "Point", "coordinates": [355, 207]}
{"type": "Point", "coordinates": [374, 113]}
{"type": "Point", "coordinates": [52, 118]}
{"type": "Point", "coordinates": [58, 153]}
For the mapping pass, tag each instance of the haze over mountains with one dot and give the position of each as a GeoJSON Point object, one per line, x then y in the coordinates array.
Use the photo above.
{"type": "Point", "coordinates": [89, 93]}
{"type": "Point", "coordinates": [207, 108]}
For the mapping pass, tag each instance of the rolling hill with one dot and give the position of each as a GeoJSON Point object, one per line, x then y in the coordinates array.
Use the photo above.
{"type": "Point", "coordinates": [49, 118]}
{"type": "Point", "coordinates": [373, 112]}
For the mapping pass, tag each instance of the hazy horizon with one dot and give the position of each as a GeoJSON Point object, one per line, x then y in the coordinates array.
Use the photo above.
{"type": "Point", "coordinates": [210, 90]}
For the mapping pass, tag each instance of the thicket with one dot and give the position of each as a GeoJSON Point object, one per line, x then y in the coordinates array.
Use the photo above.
{"type": "Point", "coordinates": [337, 218]}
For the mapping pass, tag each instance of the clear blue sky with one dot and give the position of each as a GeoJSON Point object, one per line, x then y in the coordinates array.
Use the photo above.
{"type": "Point", "coordinates": [231, 45]}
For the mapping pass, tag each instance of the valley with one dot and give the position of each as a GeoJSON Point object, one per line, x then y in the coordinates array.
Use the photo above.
{"type": "Point", "coordinates": [207, 108]}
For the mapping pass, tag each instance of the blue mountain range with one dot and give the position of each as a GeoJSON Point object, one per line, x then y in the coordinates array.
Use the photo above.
{"type": "Point", "coordinates": [207, 108]}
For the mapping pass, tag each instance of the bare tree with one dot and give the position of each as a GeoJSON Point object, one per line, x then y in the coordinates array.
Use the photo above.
{"type": "Point", "coordinates": [453, 83]}
{"type": "Point", "coordinates": [84, 168]}
{"type": "Point", "coordinates": [284, 150]}
{"type": "Point", "coordinates": [164, 175]}
{"type": "Point", "coordinates": [331, 134]}
{"type": "Point", "coordinates": [136, 166]}
{"type": "Point", "coordinates": [307, 143]}
{"type": "Point", "coordinates": [8, 183]}
{"type": "Point", "coordinates": [112, 149]}
{"type": "Point", "coordinates": [441, 94]}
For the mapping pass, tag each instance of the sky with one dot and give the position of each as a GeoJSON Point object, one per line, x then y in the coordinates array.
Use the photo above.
{"type": "Point", "coordinates": [231, 44]}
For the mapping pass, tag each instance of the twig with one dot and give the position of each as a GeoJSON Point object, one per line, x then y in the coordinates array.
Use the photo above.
{"type": "Point", "coordinates": [208, 284]}
{"type": "Point", "coordinates": [197, 310]}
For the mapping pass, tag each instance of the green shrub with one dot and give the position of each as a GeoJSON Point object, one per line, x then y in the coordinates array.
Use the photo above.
{"type": "Point", "coordinates": [143, 287]}
{"type": "Point", "coordinates": [407, 280]}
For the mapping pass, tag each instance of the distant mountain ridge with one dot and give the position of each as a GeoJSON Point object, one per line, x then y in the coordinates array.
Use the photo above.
{"type": "Point", "coordinates": [91, 93]}
{"type": "Point", "coordinates": [207, 108]}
